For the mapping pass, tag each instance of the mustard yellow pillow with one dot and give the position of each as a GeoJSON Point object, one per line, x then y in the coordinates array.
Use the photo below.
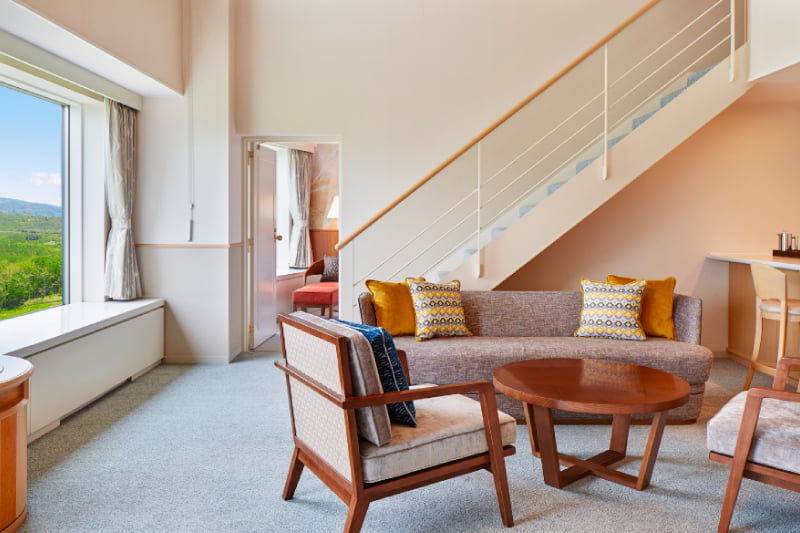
{"type": "Point", "coordinates": [656, 317]}
{"type": "Point", "coordinates": [394, 309]}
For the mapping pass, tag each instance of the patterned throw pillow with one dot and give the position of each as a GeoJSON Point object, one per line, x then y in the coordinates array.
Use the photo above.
{"type": "Point", "coordinates": [438, 309]}
{"type": "Point", "coordinates": [390, 370]}
{"type": "Point", "coordinates": [611, 311]}
{"type": "Point", "coordinates": [330, 268]}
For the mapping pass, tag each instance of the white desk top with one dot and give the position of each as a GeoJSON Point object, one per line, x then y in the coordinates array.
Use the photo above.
{"type": "Point", "coordinates": [786, 263]}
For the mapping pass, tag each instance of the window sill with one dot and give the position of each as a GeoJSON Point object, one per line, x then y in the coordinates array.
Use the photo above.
{"type": "Point", "coordinates": [27, 335]}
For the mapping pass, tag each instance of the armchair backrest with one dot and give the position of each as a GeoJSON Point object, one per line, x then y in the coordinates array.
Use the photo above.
{"type": "Point", "coordinates": [326, 363]}
{"type": "Point", "coordinates": [317, 379]}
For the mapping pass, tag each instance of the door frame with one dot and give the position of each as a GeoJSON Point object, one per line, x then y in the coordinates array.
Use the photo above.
{"type": "Point", "coordinates": [247, 198]}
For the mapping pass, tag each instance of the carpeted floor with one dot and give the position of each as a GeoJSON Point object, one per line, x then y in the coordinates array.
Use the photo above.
{"type": "Point", "coordinates": [206, 448]}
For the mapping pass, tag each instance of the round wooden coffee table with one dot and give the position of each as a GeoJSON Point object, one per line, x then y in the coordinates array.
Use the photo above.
{"type": "Point", "coordinates": [591, 386]}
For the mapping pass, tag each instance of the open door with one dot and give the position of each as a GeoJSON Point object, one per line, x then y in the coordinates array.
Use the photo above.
{"type": "Point", "coordinates": [263, 308]}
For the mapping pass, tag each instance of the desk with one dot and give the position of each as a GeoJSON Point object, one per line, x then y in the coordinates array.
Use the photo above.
{"type": "Point", "coordinates": [13, 442]}
{"type": "Point", "coordinates": [741, 306]}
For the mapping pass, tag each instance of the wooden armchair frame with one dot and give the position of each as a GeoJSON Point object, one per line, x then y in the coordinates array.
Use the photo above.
{"type": "Point", "coordinates": [358, 494]}
{"type": "Point", "coordinates": [740, 466]}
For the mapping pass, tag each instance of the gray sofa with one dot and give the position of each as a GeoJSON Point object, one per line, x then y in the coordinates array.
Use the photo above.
{"type": "Point", "coordinates": [510, 326]}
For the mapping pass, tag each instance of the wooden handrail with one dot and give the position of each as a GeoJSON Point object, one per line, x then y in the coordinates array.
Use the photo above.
{"type": "Point", "coordinates": [602, 42]}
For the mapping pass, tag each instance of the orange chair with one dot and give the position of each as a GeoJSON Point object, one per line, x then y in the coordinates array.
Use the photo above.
{"type": "Point", "coordinates": [323, 295]}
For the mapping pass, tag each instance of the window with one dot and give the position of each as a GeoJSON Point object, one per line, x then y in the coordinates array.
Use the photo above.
{"type": "Point", "coordinates": [33, 180]}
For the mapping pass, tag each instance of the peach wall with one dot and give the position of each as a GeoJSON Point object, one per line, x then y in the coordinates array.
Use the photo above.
{"type": "Point", "coordinates": [730, 187]}
{"type": "Point", "coordinates": [324, 185]}
{"type": "Point", "coordinates": [145, 34]}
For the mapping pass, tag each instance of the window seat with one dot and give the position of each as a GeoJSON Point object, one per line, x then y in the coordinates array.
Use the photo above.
{"type": "Point", "coordinates": [81, 351]}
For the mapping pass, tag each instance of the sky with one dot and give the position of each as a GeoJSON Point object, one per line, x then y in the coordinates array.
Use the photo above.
{"type": "Point", "coordinates": [30, 148]}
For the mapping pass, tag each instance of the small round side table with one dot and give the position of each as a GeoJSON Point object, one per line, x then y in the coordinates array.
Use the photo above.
{"type": "Point", "coordinates": [14, 374]}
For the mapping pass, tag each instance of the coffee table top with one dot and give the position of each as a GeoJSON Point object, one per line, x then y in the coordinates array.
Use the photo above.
{"type": "Point", "coordinates": [591, 386]}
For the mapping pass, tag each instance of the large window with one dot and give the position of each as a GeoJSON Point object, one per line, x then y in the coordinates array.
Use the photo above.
{"type": "Point", "coordinates": [33, 181]}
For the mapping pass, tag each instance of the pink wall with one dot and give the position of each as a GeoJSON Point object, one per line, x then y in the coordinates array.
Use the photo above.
{"type": "Point", "coordinates": [730, 187]}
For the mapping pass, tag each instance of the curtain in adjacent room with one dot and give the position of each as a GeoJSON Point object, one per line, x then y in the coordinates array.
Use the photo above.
{"type": "Point", "coordinates": [122, 271]}
{"type": "Point", "coordinates": [299, 208]}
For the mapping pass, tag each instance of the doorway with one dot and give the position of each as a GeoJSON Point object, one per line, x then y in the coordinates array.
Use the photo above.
{"type": "Point", "coordinates": [269, 278]}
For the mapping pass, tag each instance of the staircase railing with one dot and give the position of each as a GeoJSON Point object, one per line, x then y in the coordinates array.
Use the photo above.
{"type": "Point", "coordinates": [520, 160]}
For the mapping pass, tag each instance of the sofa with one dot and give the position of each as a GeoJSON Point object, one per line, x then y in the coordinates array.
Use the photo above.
{"type": "Point", "coordinates": [509, 326]}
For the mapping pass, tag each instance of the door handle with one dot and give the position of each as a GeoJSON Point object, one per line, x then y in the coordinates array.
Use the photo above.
{"type": "Point", "coordinates": [277, 237]}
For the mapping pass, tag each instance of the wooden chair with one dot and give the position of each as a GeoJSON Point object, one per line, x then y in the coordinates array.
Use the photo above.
{"type": "Point", "coordinates": [774, 291]}
{"type": "Point", "coordinates": [323, 295]}
{"type": "Point", "coordinates": [756, 433]}
{"type": "Point", "coordinates": [332, 419]}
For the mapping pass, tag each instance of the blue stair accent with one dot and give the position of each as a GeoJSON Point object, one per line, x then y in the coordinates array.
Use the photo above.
{"type": "Point", "coordinates": [671, 96]}
{"type": "Point", "coordinates": [553, 187]}
{"type": "Point", "coordinates": [583, 164]}
{"type": "Point", "coordinates": [469, 252]}
{"type": "Point", "coordinates": [614, 141]}
{"type": "Point", "coordinates": [525, 209]}
{"type": "Point", "coordinates": [497, 231]}
{"type": "Point", "coordinates": [697, 75]}
{"type": "Point", "coordinates": [638, 121]}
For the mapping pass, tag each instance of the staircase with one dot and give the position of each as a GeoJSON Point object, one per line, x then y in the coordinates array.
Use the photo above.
{"type": "Point", "coordinates": [558, 156]}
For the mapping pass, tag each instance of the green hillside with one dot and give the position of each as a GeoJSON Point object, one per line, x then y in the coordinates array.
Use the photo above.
{"type": "Point", "coordinates": [30, 263]}
{"type": "Point", "coordinates": [11, 206]}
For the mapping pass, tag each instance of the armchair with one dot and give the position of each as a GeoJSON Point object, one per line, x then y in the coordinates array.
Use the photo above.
{"type": "Point", "coordinates": [758, 434]}
{"type": "Point", "coordinates": [342, 431]}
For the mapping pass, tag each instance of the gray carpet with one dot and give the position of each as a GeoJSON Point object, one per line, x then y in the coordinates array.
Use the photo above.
{"type": "Point", "coordinates": [206, 448]}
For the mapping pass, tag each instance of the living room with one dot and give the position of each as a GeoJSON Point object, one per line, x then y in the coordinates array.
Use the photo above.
{"type": "Point", "coordinates": [390, 82]}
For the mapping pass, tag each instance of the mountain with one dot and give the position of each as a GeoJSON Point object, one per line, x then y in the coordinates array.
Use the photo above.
{"type": "Point", "coordinates": [20, 207]}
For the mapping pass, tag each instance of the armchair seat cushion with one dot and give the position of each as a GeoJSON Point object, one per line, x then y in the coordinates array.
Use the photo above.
{"type": "Point", "coordinates": [777, 437]}
{"type": "Point", "coordinates": [448, 428]}
{"type": "Point", "coordinates": [323, 292]}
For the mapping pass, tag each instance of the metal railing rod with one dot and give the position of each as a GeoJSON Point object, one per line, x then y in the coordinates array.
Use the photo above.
{"type": "Point", "coordinates": [648, 56]}
{"type": "Point", "coordinates": [663, 86]}
{"type": "Point", "coordinates": [422, 232]}
{"type": "Point", "coordinates": [665, 63]}
{"type": "Point", "coordinates": [543, 137]}
{"type": "Point", "coordinates": [551, 152]}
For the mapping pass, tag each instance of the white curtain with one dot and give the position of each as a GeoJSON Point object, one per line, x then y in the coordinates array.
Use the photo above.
{"type": "Point", "coordinates": [299, 202]}
{"type": "Point", "coordinates": [122, 272]}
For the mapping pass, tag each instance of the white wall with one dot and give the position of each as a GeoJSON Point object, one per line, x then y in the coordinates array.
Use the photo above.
{"type": "Point", "coordinates": [145, 34]}
{"type": "Point", "coordinates": [405, 84]}
{"type": "Point", "coordinates": [775, 41]}
{"type": "Point", "coordinates": [730, 187]}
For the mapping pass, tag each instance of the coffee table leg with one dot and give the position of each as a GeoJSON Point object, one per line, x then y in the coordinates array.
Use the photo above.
{"type": "Point", "coordinates": [546, 444]}
{"type": "Point", "coordinates": [530, 420]}
{"type": "Point", "coordinates": [620, 428]}
{"type": "Point", "coordinates": [651, 451]}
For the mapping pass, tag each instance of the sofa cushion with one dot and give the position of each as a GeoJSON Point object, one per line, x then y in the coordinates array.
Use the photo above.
{"type": "Point", "coordinates": [390, 370]}
{"type": "Point", "coordinates": [438, 310]}
{"type": "Point", "coordinates": [611, 311]}
{"type": "Point", "coordinates": [656, 317]}
{"type": "Point", "coordinates": [777, 438]}
{"type": "Point", "coordinates": [394, 309]}
{"type": "Point", "coordinates": [448, 428]}
{"type": "Point", "coordinates": [373, 422]}
{"type": "Point", "coordinates": [478, 357]}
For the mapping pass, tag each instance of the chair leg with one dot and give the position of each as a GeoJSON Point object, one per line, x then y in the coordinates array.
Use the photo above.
{"type": "Point", "coordinates": [295, 469]}
{"type": "Point", "coordinates": [501, 487]}
{"type": "Point", "coordinates": [756, 349]}
{"type": "Point", "coordinates": [731, 494]}
{"type": "Point", "coordinates": [355, 515]}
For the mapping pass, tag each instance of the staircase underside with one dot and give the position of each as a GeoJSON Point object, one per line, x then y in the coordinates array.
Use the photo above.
{"type": "Point", "coordinates": [587, 191]}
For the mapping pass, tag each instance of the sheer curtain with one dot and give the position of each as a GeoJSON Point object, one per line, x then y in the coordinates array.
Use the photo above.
{"type": "Point", "coordinates": [122, 271]}
{"type": "Point", "coordinates": [299, 202]}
